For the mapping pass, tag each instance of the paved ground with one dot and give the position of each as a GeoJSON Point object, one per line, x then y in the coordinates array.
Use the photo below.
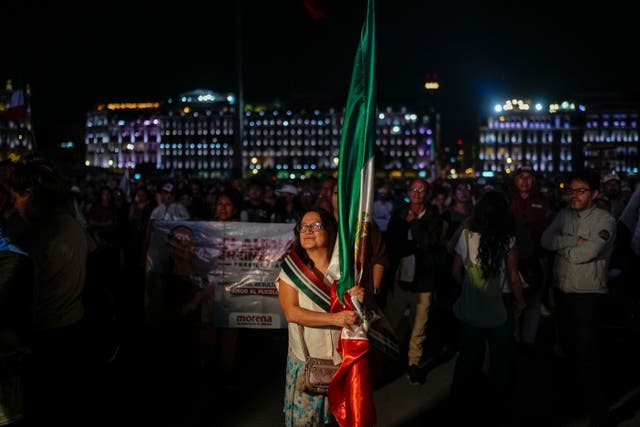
{"type": "Point", "coordinates": [138, 390]}
{"type": "Point", "coordinates": [252, 395]}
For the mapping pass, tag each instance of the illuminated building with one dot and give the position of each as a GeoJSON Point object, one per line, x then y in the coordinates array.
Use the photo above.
{"type": "Point", "coordinates": [558, 138]}
{"type": "Point", "coordinates": [16, 130]}
{"type": "Point", "coordinates": [121, 135]}
{"type": "Point", "coordinates": [611, 141]}
{"type": "Point", "coordinates": [195, 133]}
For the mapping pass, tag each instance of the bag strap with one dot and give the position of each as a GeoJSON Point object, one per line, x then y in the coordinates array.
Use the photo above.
{"type": "Point", "coordinates": [466, 239]}
{"type": "Point", "coordinates": [304, 344]}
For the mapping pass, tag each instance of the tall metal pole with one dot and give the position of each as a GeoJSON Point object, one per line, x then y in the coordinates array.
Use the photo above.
{"type": "Point", "coordinates": [238, 166]}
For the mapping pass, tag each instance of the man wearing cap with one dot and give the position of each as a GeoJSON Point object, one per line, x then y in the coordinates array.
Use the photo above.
{"type": "Point", "coordinates": [582, 238]}
{"type": "Point", "coordinates": [612, 189]}
{"type": "Point", "coordinates": [165, 198]}
{"type": "Point", "coordinates": [530, 209]}
{"type": "Point", "coordinates": [383, 206]}
{"type": "Point", "coordinates": [255, 209]}
{"type": "Point", "coordinates": [288, 208]}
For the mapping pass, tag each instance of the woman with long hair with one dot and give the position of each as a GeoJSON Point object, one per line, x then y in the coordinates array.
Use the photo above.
{"type": "Point", "coordinates": [485, 261]}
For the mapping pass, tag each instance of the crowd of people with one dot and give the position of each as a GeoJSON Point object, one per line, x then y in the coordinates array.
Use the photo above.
{"type": "Point", "coordinates": [457, 266]}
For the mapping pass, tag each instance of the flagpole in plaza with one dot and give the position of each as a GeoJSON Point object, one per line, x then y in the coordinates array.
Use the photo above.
{"type": "Point", "coordinates": [237, 169]}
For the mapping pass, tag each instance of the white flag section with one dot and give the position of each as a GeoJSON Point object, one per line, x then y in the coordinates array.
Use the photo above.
{"type": "Point", "coordinates": [223, 272]}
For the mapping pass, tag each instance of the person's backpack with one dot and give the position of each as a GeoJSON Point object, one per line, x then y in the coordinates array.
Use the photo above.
{"type": "Point", "coordinates": [473, 270]}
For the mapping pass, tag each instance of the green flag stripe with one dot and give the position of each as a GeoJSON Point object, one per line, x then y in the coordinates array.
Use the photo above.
{"type": "Point", "coordinates": [297, 276]}
{"type": "Point", "coordinates": [356, 153]}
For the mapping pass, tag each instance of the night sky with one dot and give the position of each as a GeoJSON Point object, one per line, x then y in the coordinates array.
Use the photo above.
{"type": "Point", "coordinates": [115, 51]}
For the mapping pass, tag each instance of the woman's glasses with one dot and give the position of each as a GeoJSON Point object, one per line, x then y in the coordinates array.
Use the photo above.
{"type": "Point", "coordinates": [313, 227]}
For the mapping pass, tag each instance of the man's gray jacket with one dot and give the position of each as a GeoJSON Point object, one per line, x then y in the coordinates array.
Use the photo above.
{"type": "Point", "coordinates": [581, 268]}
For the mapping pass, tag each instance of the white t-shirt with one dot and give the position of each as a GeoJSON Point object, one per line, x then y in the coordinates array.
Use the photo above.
{"type": "Point", "coordinates": [321, 341]}
{"type": "Point", "coordinates": [480, 304]}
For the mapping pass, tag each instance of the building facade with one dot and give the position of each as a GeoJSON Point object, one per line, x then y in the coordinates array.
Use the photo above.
{"type": "Point", "coordinates": [558, 138]}
{"type": "Point", "coordinates": [196, 133]}
{"type": "Point", "coordinates": [611, 141]}
{"type": "Point", "coordinates": [16, 130]}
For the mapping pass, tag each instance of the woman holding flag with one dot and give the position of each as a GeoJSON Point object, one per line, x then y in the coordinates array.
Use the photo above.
{"type": "Point", "coordinates": [305, 296]}
{"type": "Point", "coordinates": [314, 303]}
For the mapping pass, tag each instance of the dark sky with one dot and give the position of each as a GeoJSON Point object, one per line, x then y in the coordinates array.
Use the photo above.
{"type": "Point", "coordinates": [115, 51]}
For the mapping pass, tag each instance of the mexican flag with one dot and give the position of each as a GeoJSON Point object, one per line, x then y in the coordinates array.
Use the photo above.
{"type": "Point", "coordinates": [351, 388]}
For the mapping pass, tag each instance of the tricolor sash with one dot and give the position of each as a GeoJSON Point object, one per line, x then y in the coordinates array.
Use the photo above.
{"type": "Point", "coordinates": [307, 281]}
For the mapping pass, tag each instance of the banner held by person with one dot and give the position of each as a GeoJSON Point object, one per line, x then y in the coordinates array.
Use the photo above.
{"type": "Point", "coordinates": [239, 260]}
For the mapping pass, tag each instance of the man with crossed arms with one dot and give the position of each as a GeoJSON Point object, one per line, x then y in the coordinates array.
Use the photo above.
{"type": "Point", "coordinates": [582, 237]}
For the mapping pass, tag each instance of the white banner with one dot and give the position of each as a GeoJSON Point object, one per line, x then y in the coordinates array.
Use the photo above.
{"type": "Point", "coordinates": [233, 264]}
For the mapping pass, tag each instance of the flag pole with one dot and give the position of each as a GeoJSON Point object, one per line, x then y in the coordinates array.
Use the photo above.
{"type": "Point", "coordinates": [351, 388]}
{"type": "Point", "coordinates": [356, 167]}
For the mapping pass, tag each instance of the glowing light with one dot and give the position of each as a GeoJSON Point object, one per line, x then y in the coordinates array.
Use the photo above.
{"type": "Point", "coordinates": [131, 106]}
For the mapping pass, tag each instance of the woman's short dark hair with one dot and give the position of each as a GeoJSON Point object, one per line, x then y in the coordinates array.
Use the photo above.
{"type": "Point", "coordinates": [330, 225]}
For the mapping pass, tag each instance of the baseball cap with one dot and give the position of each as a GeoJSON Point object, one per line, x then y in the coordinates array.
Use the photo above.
{"type": "Point", "coordinates": [524, 168]}
{"type": "Point", "coordinates": [611, 177]}
{"type": "Point", "coordinates": [287, 188]}
{"type": "Point", "coordinates": [168, 187]}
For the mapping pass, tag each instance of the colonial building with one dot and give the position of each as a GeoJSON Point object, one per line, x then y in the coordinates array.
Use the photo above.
{"type": "Point", "coordinates": [16, 130]}
{"type": "Point", "coordinates": [558, 138]}
{"type": "Point", "coordinates": [611, 141]}
{"type": "Point", "coordinates": [196, 133]}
